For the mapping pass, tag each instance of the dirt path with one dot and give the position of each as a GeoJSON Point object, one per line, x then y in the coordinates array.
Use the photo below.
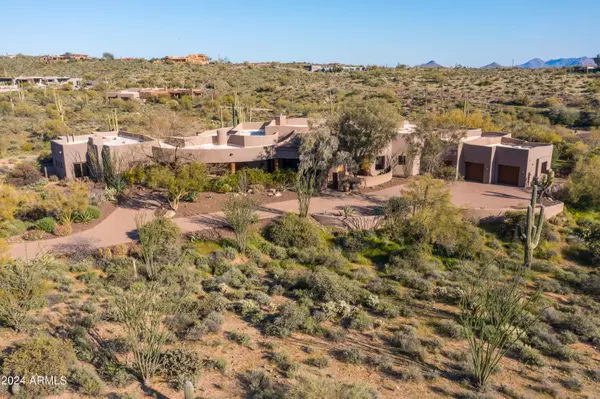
{"type": "Point", "coordinates": [119, 227]}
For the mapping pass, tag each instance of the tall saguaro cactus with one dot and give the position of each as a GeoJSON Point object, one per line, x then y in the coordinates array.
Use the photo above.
{"type": "Point", "coordinates": [531, 236]}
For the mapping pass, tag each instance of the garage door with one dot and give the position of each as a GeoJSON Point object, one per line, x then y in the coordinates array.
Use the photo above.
{"type": "Point", "coordinates": [508, 175]}
{"type": "Point", "coordinates": [474, 171]}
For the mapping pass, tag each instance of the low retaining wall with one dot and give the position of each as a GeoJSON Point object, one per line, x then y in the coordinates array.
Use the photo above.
{"type": "Point", "coordinates": [372, 181]}
{"type": "Point", "coordinates": [498, 214]}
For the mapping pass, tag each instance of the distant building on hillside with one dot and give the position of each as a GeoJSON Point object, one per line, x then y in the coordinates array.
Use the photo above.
{"type": "Point", "coordinates": [48, 59]}
{"type": "Point", "coordinates": [198, 59]}
{"type": "Point", "coordinates": [142, 94]}
{"type": "Point", "coordinates": [334, 68]}
{"type": "Point", "coordinates": [41, 81]}
{"type": "Point", "coordinates": [77, 57]}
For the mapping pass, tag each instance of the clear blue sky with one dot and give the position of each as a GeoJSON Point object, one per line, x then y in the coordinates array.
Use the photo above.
{"type": "Point", "coordinates": [381, 32]}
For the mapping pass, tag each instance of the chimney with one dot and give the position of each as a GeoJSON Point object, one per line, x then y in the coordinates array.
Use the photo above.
{"type": "Point", "coordinates": [222, 136]}
{"type": "Point", "coordinates": [280, 120]}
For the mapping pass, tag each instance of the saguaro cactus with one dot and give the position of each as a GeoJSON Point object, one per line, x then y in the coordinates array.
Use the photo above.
{"type": "Point", "coordinates": [531, 236]}
{"type": "Point", "coordinates": [188, 390]}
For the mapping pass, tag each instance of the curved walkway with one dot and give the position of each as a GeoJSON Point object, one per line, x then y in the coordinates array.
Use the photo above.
{"type": "Point", "coordinates": [120, 228]}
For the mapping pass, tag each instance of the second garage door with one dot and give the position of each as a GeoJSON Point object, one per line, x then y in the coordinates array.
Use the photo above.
{"type": "Point", "coordinates": [508, 175]}
{"type": "Point", "coordinates": [474, 171]}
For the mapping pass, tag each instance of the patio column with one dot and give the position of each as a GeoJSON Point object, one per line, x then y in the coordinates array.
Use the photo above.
{"type": "Point", "coordinates": [276, 164]}
{"type": "Point", "coordinates": [233, 168]}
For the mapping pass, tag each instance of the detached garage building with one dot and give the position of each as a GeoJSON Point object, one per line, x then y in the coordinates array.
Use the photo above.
{"type": "Point", "coordinates": [497, 158]}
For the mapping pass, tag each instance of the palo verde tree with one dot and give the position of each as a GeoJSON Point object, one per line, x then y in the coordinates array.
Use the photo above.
{"type": "Point", "coordinates": [365, 128]}
{"type": "Point", "coordinates": [159, 240]}
{"type": "Point", "coordinates": [495, 314]}
{"type": "Point", "coordinates": [318, 153]}
{"type": "Point", "coordinates": [240, 213]}
{"type": "Point", "coordinates": [178, 183]}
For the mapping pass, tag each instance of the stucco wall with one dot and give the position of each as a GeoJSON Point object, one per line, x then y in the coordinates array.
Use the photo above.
{"type": "Point", "coordinates": [512, 157]}
{"type": "Point", "coordinates": [477, 154]}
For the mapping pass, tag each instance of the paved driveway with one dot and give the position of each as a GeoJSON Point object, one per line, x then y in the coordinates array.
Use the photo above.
{"type": "Point", "coordinates": [120, 228]}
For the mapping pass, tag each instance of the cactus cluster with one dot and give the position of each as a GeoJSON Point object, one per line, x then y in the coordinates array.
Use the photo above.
{"type": "Point", "coordinates": [531, 236]}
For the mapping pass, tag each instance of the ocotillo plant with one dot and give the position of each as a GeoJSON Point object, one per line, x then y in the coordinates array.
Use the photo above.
{"type": "Point", "coordinates": [531, 236]}
{"type": "Point", "coordinates": [188, 390]}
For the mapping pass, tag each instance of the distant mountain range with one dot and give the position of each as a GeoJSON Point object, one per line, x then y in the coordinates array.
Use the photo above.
{"type": "Point", "coordinates": [558, 63]}
{"type": "Point", "coordinates": [535, 63]}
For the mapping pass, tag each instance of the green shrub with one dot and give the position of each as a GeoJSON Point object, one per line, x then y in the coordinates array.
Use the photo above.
{"type": "Point", "coordinates": [93, 211]}
{"type": "Point", "coordinates": [407, 342]}
{"type": "Point", "coordinates": [63, 230]}
{"type": "Point", "coordinates": [34, 235]}
{"type": "Point", "coordinates": [318, 362]}
{"type": "Point", "coordinates": [240, 338]}
{"type": "Point", "coordinates": [292, 231]}
{"type": "Point", "coordinates": [87, 380]}
{"type": "Point", "coordinates": [42, 356]}
{"type": "Point", "coordinates": [179, 366]}
{"type": "Point", "coordinates": [352, 355]}
{"type": "Point", "coordinates": [47, 224]}
{"type": "Point", "coordinates": [360, 321]}
{"type": "Point", "coordinates": [290, 317]}
{"type": "Point", "coordinates": [216, 364]}
{"type": "Point", "coordinates": [449, 328]}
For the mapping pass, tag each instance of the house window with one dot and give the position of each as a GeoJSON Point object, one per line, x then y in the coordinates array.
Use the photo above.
{"type": "Point", "coordinates": [545, 167]}
{"type": "Point", "coordinates": [402, 160]}
{"type": "Point", "coordinates": [379, 163]}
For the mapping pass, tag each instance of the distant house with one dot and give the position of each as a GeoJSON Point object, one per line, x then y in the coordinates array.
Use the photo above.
{"type": "Point", "coordinates": [142, 94]}
{"type": "Point", "coordinates": [334, 68]}
{"type": "Point", "coordinates": [197, 59]}
{"type": "Point", "coordinates": [77, 57]}
{"type": "Point", "coordinates": [48, 59]}
{"type": "Point", "coordinates": [41, 81]}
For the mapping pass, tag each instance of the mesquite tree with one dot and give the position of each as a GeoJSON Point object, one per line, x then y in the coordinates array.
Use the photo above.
{"type": "Point", "coordinates": [531, 236]}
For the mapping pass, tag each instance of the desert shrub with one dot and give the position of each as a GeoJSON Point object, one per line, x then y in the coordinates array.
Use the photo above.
{"type": "Point", "coordinates": [22, 292]}
{"type": "Point", "coordinates": [318, 362]}
{"type": "Point", "coordinates": [285, 364]}
{"type": "Point", "coordinates": [87, 381]}
{"type": "Point", "coordinates": [240, 338]}
{"type": "Point", "coordinates": [290, 317]}
{"type": "Point", "coordinates": [219, 364]}
{"type": "Point", "coordinates": [352, 355]}
{"type": "Point", "coordinates": [527, 355]}
{"type": "Point", "coordinates": [240, 213]}
{"type": "Point", "coordinates": [325, 286]}
{"type": "Point", "coordinates": [63, 230]}
{"type": "Point", "coordinates": [573, 383]}
{"type": "Point", "coordinates": [34, 235]}
{"type": "Point", "coordinates": [449, 328]}
{"type": "Point", "coordinates": [90, 213]}
{"type": "Point", "coordinates": [179, 366]}
{"type": "Point", "coordinates": [360, 321]}
{"type": "Point", "coordinates": [24, 174]}
{"type": "Point", "coordinates": [407, 342]}
{"type": "Point", "coordinates": [42, 356]}
{"type": "Point", "coordinates": [261, 386]}
{"type": "Point", "coordinates": [211, 324]}
{"type": "Point", "coordinates": [310, 387]}
{"type": "Point", "coordinates": [47, 224]}
{"type": "Point", "coordinates": [292, 231]}
{"type": "Point", "coordinates": [411, 373]}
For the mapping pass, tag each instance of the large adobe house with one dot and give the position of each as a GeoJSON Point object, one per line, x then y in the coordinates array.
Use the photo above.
{"type": "Point", "coordinates": [483, 157]}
